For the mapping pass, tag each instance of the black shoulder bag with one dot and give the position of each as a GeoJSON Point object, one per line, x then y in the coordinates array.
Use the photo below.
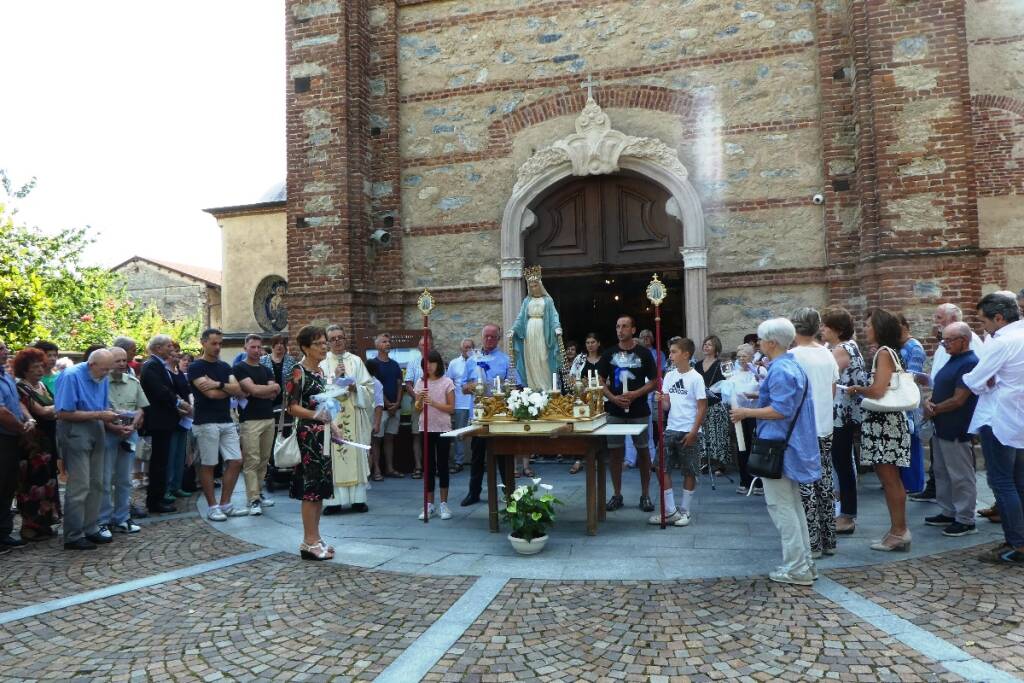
{"type": "Point", "coordinates": [766, 454]}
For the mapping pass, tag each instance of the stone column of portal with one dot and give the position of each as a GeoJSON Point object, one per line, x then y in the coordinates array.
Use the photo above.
{"type": "Point", "coordinates": [695, 288]}
{"type": "Point", "coordinates": [512, 291]}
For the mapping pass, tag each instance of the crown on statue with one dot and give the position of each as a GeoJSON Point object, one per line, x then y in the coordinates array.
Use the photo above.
{"type": "Point", "coordinates": [532, 273]}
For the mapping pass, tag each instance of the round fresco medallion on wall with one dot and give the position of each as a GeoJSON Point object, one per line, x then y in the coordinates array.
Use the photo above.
{"type": "Point", "coordinates": [268, 304]}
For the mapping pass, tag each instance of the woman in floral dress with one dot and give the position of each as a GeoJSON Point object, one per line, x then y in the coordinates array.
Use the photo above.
{"type": "Point", "coordinates": [885, 437]}
{"type": "Point", "coordinates": [313, 478]}
{"type": "Point", "coordinates": [38, 494]}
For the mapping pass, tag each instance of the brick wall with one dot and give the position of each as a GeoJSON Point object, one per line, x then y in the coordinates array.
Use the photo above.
{"type": "Point", "coordinates": [416, 117]}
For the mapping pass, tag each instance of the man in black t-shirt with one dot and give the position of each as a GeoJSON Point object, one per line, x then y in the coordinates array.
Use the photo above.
{"type": "Point", "coordinates": [255, 422]}
{"type": "Point", "coordinates": [628, 374]}
{"type": "Point", "coordinates": [212, 427]}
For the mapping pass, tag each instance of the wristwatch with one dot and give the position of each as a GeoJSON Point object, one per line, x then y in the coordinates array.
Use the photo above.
{"type": "Point", "coordinates": [220, 385]}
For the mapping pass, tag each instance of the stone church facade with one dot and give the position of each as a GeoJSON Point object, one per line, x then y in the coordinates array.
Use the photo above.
{"type": "Point", "coordinates": [462, 129]}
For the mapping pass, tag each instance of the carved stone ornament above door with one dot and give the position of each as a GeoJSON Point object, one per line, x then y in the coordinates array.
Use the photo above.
{"type": "Point", "coordinates": [595, 149]}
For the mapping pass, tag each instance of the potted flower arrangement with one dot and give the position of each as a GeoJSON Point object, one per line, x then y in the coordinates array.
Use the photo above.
{"type": "Point", "coordinates": [530, 515]}
{"type": "Point", "coordinates": [527, 404]}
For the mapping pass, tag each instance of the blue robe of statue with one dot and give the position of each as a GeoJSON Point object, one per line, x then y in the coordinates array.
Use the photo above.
{"type": "Point", "coordinates": [551, 323]}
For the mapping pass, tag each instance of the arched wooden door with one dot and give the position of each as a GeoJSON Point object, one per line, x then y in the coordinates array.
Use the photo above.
{"type": "Point", "coordinates": [599, 240]}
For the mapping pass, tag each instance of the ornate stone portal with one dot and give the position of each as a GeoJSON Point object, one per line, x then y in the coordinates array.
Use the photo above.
{"type": "Point", "coordinates": [597, 149]}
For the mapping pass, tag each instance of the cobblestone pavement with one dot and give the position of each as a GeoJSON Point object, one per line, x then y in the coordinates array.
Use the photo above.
{"type": "Point", "coordinates": [279, 618]}
{"type": "Point", "coordinates": [276, 619]}
{"type": "Point", "coordinates": [976, 606]}
{"type": "Point", "coordinates": [698, 630]}
{"type": "Point", "coordinates": [44, 571]}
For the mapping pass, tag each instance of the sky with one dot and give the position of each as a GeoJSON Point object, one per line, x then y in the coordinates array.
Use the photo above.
{"type": "Point", "coordinates": [136, 116]}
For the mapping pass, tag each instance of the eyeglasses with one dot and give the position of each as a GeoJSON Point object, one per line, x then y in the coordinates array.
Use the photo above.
{"type": "Point", "coordinates": [335, 339]}
{"type": "Point", "coordinates": [947, 342]}
{"type": "Point", "coordinates": [320, 343]}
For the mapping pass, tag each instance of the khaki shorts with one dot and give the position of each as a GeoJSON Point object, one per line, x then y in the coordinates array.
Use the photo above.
{"type": "Point", "coordinates": [218, 438]}
{"type": "Point", "coordinates": [388, 423]}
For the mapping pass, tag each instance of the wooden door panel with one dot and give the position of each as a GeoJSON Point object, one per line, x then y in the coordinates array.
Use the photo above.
{"type": "Point", "coordinates": [600, 221]}
{"type": "Point", "coordinates": [568, 228]}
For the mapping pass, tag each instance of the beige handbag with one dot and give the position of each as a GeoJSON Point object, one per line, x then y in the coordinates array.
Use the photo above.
{"type": "Point", "coordinates": [286, 448]}
{"type": "Point", "coordinates": [902, 394]}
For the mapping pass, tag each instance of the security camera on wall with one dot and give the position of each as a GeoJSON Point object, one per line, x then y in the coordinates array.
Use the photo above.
{"type": "Point", "coordinates": [380, 238]}
{"type": "Point", "coordinates": [818, 198]}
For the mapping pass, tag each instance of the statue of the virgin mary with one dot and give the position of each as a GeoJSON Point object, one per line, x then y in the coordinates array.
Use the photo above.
{"type": "Point", "coordinates": [536, 335]}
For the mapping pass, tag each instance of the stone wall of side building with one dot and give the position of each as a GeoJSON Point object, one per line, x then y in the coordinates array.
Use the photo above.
{"type": "Point", "coordinates": [413, 116]}
{"type": "Point", "coordinates": [995, 38]}
{"type": "Point", "coordinates": [174, 295]}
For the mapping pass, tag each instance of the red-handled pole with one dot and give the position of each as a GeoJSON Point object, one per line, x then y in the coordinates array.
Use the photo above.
{"type": "Point", "coordinates": [426, 421]}
{"type": "Point", "coordinates": [661, 413]}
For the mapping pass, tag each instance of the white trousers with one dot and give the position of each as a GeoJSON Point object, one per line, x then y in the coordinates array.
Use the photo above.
{"type": "Point", "coordinates": [787, 513]}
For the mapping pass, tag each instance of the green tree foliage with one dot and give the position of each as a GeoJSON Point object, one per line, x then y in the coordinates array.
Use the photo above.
{"type": "Point", "coordinates": [47, 293]}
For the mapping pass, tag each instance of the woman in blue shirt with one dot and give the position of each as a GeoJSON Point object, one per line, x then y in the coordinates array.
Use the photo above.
{"type": "Point", "coordinates": [785, 399]}
{"type": "Point", "coordinates": [913, 357]}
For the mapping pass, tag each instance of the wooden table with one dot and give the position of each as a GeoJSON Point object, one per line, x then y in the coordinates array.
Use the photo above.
{"type": "Point", "coordinates": [586, 446]}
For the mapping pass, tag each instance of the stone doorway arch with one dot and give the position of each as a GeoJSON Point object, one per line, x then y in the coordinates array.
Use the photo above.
{"type": "Point", "coordinates": [597, 149]}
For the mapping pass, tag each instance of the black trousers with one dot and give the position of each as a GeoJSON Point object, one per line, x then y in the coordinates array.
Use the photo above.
{"type": "Point", "coordinates": [161, 450]}
{"type": "Point", "coordinates": [478, 465]}
{"type": "Point", "coordinates": [437, 456]}
{"type": "Point", "coordinates": [743, 457]}
{"type": "Point", "coordinates": [10, 456]}
{"type": "Point", "coordinates": [845, 468]}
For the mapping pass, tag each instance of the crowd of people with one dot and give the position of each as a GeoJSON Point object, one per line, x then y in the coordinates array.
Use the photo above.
{"type": "Point", "coordinates": [198, 423]}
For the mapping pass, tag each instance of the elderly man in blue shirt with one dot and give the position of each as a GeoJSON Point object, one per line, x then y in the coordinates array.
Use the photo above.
{"type": "Point", "coordinates": [14, 421]}
{"type": "Point", "coordinates": [785, 400]}
{"type": "Point", "coordinates": [486, 365]}
{"type": "Point", "coordinates": [82, 404]}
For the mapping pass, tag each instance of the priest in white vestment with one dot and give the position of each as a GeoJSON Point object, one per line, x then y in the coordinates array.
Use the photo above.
{"type": "Point", "coordinates": [350, 464]}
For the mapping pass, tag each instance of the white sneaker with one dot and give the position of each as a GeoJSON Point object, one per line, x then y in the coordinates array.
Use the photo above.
{"type": "Point", "coordinates": [104, 531]}
{"type": "Point", "coordinates": [684, 519]}
{"type": "Point", "coordinates": [742, 490]}
{"type": "Point", "coordinates": [216, 514]}
{"type": "Point", "coordinates": [795, 579]}
{"type": "Point", "coordinates": [255, 508]}
{"type": "Point", "coordinates": [430, 508]}
{"type": "Point", "coordinates": [128, 527]}
{"type": "Point", "coordinates": [445, 512]}
{"type": "Point", "coordinates": [266, 501]}
{"type": "Point", "coordinates": [669, 519]}
{"type": "Point", "coordinates": [231, 511]}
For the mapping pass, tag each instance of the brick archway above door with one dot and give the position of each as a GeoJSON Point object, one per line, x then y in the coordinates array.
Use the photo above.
{"type": "Point", "coordinates": [597, 149]}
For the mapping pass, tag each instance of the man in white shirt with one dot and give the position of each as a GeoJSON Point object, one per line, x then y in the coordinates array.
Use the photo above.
{"type": "Point", "coordinates": [463, 402]}
{"type": "Point", "coordinates": [945, 315]}
{"type": "Point", "coordinates": [998, 420]}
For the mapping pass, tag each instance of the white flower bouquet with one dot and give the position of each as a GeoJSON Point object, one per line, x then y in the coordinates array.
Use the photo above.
{"type": "Point", "coordinates": [527, 404]}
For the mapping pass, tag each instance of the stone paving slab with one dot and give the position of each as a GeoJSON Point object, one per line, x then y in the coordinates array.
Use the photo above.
{"type": "Point", "coordinates": [44, 571]}
{"type": "Point", "coordinates": [705, 630]}
{"type": "Point", "coordinates": [276, 619]}
{"type": "Point", "coordinates": [974, 605]}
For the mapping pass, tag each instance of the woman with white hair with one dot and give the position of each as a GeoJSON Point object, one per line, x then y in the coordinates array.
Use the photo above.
{"type": "Point", "coordinates": [785, 412]}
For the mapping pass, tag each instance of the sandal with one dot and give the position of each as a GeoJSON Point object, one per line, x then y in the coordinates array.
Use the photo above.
{"type": "Point", "coordinates": [455, 469]}
{"type": "Point", "coordinates": [529, 472]}
{"type": "Point", "coordinates": [378, 477]}
{"type": "Point", "coordinates": [576, 467]}
{"type": "Point", "coordinates": [396, 475]}
{"type": "Point", "coordinates": [418, 474]}
{"type": "Point", "coordinates": [316, 552]}
{"type": "Point", "coordinates": [330, 548]}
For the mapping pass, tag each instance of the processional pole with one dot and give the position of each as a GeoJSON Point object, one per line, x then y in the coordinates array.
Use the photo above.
{"type": "Point", "coordinates": [425, 303]}
{"type": "Point", "coordinates": [656, 293]}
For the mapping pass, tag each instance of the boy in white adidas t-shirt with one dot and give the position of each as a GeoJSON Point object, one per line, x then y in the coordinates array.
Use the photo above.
{"type": "Point", "coordinates": [682, 393]}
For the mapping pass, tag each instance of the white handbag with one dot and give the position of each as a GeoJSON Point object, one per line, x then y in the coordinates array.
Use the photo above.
{"type": "Point", "coordinates": [902, 394]}
{"type": "Point", "coordinates": [286, 448]}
